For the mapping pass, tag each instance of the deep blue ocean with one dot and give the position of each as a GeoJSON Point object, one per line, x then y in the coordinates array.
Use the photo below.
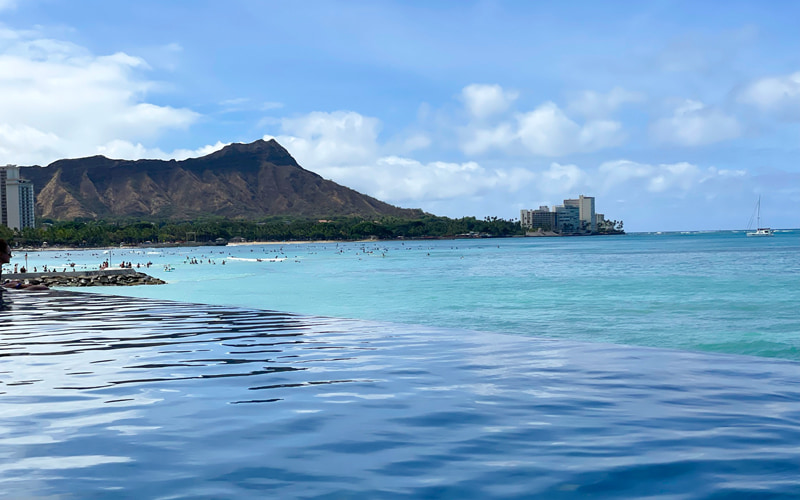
{"type": "Point", "coordinates": [636, 366]}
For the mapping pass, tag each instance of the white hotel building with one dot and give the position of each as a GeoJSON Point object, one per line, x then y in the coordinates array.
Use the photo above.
{"type": "Point", "coordinates": [16, 199]}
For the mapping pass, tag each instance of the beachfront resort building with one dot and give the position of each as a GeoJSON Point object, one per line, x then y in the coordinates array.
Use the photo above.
{"type": "Point", "coordinates": [567, 219]}
{"type": "Point", "coordinates": [586, 215]}
{"type": "Point", "coordinates": [16, 199]}
{"type": "Point", "coordinates": [573, 217]}
{"type": "Point", "coordinates": [542, 218]}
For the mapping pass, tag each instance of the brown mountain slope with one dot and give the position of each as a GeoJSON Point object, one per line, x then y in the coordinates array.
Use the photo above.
{"type": "Point", "coordinates": [253, 180]}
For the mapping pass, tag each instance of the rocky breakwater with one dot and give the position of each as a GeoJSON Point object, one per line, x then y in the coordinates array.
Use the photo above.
{"type": "Point", "coordinates": [106, 277]}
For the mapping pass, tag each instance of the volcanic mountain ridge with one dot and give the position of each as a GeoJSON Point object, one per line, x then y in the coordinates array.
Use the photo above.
{"type": "Point", "coordinates": [249, 181]}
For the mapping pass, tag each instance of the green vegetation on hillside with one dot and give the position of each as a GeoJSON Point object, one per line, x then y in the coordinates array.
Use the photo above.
{"type": "Point", "coordinates": [108, 233]}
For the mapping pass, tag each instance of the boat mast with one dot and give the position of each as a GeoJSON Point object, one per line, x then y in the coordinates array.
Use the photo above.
{"type": "Point", "coordinates": [758, 213]}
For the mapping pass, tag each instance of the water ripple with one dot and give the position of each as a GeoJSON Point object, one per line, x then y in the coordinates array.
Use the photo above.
{"type": "Point", "coordinates": [122, 397]}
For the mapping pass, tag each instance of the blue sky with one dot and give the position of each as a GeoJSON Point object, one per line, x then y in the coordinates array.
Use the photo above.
{"type": "Point", "coordinates": [674, 115]}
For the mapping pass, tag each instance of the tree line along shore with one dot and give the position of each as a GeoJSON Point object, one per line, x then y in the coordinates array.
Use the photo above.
{"type": "Point", "coordinates": [106, 233]}
{"type": "Point", "coordinates": [103, 233]}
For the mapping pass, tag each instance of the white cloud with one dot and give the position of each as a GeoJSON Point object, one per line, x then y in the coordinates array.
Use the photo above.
{"type": "Point", "coordinates": [694, 124]}
{"type": "Point", "coordinates": [120, 149]}
{"type": "Point", "coordinates": [326, 139]}
{"type": "Point", "coordinates": [404, 180]}
{"type": "Point", "coordinates": [547, 131]}
{"type": "Point", "coordinates": [600, 134]}
{"type": "Point", "coordinates": [779, 94]}
{"type": "Point", "coordinates": [561, 180]}
{"type": "Point", "coordinates": [646, 186]}
{"type": "Point", "coordinates": [343, 146]}
{"type": "Point", "coordinates": [7, 4]}
{"type": "Point", "coordinates": [182, 154]}
{"type": "Point", "coordinates": [593, 104]}
{"type": "Point", "coordinates": [478, 140]}
{"type": "Point", "coordinates": [25, 145]}
{"type": "Point", "coordinates": [485, 100]}
{"type": "Point", "coordinates": [673, 196]}
{"type": "Point", "coordinates": [640, 192]}
{"type": "Point", "coordinates": [682, 176]}
{"type": "Point", "coordinates": [59, 100]}
{"type": "Point", "coordinates": [677, 178]}
{"type": "Point", "coordinates": [618, 173]}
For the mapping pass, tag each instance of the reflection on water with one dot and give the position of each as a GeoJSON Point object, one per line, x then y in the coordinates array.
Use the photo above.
{"type": "Point", "coordinates": [124, 397]}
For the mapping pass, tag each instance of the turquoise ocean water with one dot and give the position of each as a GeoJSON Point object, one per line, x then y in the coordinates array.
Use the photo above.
{"type": "Point", "coordinates": [638, 366]}
{"type": "Point", "coordinates": [716, 291]}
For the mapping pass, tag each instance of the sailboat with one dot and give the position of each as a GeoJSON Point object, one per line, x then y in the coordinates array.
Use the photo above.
{"type": "Point", "coordinates": [760, 231]}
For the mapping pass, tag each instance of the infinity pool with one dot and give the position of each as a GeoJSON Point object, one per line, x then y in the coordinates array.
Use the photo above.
{"type": "Point", "coordinates": [106, 396]}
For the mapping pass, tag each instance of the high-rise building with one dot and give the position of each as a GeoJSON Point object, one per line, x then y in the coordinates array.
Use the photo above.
{"type": "Point", "coordinates": [575, 216]}
{"type": "Point", "coordinates": [16, 199]}
{"type": "Point", "coordinates": [586, 215]}
{"type": "Point", "coordinates": [568, 218]}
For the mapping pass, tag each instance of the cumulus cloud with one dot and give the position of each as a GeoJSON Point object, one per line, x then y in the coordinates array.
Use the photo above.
{"type": "Point", "coordinates": [779, 94]}
{"type": "Point", "coordinates": [548, 131]}
{"type": "Point", "coordinates": [407, 181]}
{"type": "Point", "coordinates": [593, 104]}
{"type": "Point", "coordinates": [326, 139]}
{"type": "Point", "coordinates": [59, 100]}
{"type": "Point", "coordinates": [561, 181]}
{"type": "Point", "coordinates": [343, 146]}
{"type": "Point", "coordinates": [485, 100]}
{"type": "Point", "coordinates": [544, 131]}
{"type": "Point", "coordinates": [695, 124]}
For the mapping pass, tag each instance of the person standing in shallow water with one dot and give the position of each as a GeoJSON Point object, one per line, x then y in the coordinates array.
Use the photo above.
{"type": "Point", "coordinates": [5, 256]}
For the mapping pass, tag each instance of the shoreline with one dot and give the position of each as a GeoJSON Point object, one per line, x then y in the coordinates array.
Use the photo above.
{"type": "Point", "coordinates": [292, 242]}
{"type": "Point", "coordinates": [19, 250]}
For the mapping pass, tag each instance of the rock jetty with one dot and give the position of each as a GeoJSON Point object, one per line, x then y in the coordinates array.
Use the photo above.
{"type": "Point", "coordinates": [106, 277]}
